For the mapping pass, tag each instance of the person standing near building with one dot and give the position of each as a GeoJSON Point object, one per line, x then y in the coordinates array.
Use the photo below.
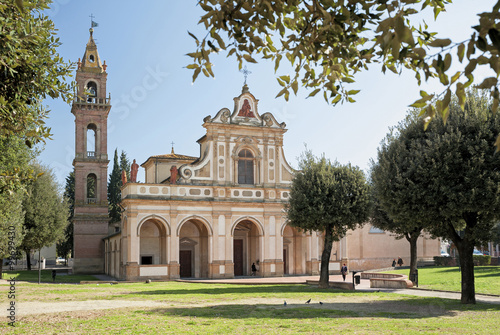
{"type": "Point", "coordinates": [400, 261]}
{"type": "Point", "coordinates": [343, 270]}
{"type": "Point", "coordinates": [254, 269]}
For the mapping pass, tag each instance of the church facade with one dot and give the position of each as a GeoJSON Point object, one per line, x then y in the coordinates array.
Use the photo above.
{"type": "Point", "coordinates": [217, 214]}
{"type": "Point", "coordinates": [210, 216]}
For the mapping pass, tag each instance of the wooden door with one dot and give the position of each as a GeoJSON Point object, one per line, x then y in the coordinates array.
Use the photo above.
{"type": "Point", "coordinates": [238, 257]}
{"type": "Point", "coordinates": [185, 263]}
{"type": "Point", "coordinates": [285, 267]}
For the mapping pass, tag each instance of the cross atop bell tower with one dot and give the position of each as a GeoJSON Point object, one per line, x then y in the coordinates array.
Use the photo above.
{"type": "Point", "coordinates": [91, 108]}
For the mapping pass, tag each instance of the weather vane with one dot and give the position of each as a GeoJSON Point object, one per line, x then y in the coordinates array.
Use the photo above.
{"type": "Point", "coordinates": [92, 22]}
{"type": "Point", "coordinates": [245, 72]}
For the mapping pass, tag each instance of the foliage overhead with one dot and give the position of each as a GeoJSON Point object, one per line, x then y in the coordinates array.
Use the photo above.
{"type": "Point", "coordinates": [328, 42]}
{"type": "Point", "coordinates": [30, 71]}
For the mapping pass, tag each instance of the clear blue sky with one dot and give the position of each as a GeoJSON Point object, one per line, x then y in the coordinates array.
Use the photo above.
{"type": "Point", "coordinates": [138, 39]}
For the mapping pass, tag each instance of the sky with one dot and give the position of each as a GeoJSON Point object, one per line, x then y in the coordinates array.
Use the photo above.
{"type": "Point", "coordinates": [155, 103]}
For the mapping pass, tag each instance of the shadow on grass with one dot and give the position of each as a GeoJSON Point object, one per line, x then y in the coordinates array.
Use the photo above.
{"type": "Point", "coordinates": [413, 308]}
{"type": "Point", "coordinates": [243, 289]}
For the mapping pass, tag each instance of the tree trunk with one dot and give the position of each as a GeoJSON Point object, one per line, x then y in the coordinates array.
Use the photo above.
{"type": "Point", "coordinates": [465, 247]}
{"type": "Point", "coordinates": [39, 266]}
{"type": "Point", "coordinates": [465, 251]}
{"type": "Point", "coordinates": [1, 268]}
{"type": "Point", "coordinates": [413, 238]}
{"type": "Point", "coordinates": [28, 259]}
{"type": "Point", "coordinates": [324, 277]}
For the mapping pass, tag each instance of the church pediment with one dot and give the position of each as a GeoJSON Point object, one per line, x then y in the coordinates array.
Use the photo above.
{"type": "Point", "coordinates": [246, 110]}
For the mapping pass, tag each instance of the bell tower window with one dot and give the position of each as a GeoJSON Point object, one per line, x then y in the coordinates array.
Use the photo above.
{"type": "Point", "coordinates": [91, 58]}
{"type": "Point", "coordinates": [91, 140]}
{"type": "Point", "coordinates": [245, 167]}
{"type": "Point", "coordinates": [91, 91]}
{"type": "Point", "coordinates": [91, 189]}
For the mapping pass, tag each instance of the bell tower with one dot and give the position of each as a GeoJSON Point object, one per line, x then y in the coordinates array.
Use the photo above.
{"type": "Point", "coordinates": [91, 108]}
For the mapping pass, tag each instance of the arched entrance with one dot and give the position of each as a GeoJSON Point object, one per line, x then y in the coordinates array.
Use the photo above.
{"type": "Point", "coordinates": [153, 243]}
{"type": "Point", "coordinates": [193, 249]}
{"type": "Point", "coordinates": [246, 247]}
{"type": "Point", "coordinates": [294, 251]}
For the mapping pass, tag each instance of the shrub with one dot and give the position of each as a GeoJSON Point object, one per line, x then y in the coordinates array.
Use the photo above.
{"type": "Point", "coordinates": [482, 260]}
{"type": "Point", "coordinates": [444, 261]}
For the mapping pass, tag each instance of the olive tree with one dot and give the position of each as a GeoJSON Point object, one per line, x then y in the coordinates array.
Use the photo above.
{"type": "Point", "coordinates": [30, 71]}
{"type": "Point", "coordinates": [330, 198]}
{"type": "Point", "coordinates": [446, 178]}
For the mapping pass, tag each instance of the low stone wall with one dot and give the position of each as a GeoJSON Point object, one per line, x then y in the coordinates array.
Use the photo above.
{"type": "Point", "coordinates": [335, 284]}
{"type": "Point", "coordinates": [387, 280]}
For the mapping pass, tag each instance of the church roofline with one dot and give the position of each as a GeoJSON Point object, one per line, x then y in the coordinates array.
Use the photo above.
{"type": "Point", "coordinates": [170, 157]}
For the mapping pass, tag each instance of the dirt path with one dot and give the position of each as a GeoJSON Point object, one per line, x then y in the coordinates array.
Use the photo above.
{"type": "Point", "coordinates": [35, 307]}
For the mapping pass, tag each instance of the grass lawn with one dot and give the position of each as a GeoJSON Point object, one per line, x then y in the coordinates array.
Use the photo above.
{"type": "Point", "coordinates": [193, 308]}
{"type": "Point", "coordinates": [487, 278]}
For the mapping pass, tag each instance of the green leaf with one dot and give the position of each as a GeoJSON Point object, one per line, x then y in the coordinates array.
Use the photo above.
{"type": "Point", "coordinates": [220, 41]}
{"type": "Point", "coordinates": [210, 44]}
{"type": "Point", "coordinates": [249, 59]}
{"type": "Point", "coordinates": [295, 86]}
{"type": "Point", "coordinates": [440, 43]}
{"type": "Point", "coordinates": [471, 46]}
{"type": "Point", "coordinates": [481, 43]}
{"type": "Point", "coordinates": [455, 77]}
{"type": "Point", "coordinates": [196, 39]}
{"type": "Point", "coordinates": [447, 62]}
{"type": "Point", "coordinates": [461, 52]}
{"type": "Point", "coordinates": [470, 67]}
{"type": "Point", "coordinates": [488, 82]}
{"type": "Point", "coordinates": [283, 91]}
{"type": "Point", "coordinates": [446, 105]}
{"type": "Point", "coordinates": [285, 78]}
{"type": "Point", "coordinates": [196, 73]}
{"type": "Point", "coordinates": [336, 99]}
{"type": "Point", "coordinates": [347, 80]}
{"type": "Point", "coordinates": [495, 38]}
{"type": "Point", "coordinates": [313, 93]}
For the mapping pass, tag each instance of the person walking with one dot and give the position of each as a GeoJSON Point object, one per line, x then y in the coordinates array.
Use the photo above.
{"type": "Point", "coordinates": [394, 263]}
{"type": "Point", "coordinates": [343, 270]}
{"type": "Point", "coordinates": [254, 269]}
{"type": "Point", "coordinates": [400, 261]}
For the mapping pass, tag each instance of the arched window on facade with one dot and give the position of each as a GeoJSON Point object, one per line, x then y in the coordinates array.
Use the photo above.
{"type": "Point", "coordinates": [91, 189]}
{"type": "Point", "coordinates": [91, 91]}
{"type": "Point", "coordinates": [245, 167]}
{"type": "Point", "coordinates": [91, 140]}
